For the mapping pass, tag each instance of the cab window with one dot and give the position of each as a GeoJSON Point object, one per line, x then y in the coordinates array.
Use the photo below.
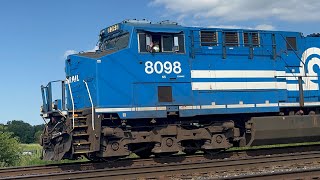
{"type": "Point", "coordinates": [116, 43]}
{"type": "Point", "coordinates": [161, 43]}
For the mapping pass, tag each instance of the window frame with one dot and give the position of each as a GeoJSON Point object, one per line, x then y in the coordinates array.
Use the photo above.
{"type": "Point", "coordinates": [139, 45]}
{"type": "Point", "coordinates": [161, 35]}
{"type": "Point", "coordinates": [112, 39]}
{"type": "Point", "coordinates": [162, 47]}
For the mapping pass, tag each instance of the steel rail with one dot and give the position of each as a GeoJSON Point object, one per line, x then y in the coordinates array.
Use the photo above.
{"type": "Point", "coordinates": [310, 173]}
{"type": "Point", "coordinates": [170, 170]}
{"type": "Point", "coordinates": [56, 168]}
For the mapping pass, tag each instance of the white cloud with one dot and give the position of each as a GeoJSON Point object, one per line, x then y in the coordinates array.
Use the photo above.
{"type": "Point", "coordinates": [258, 27]}
{"type": "Point", "coordinates": [243, 10]}
{"type": "Point", "coordinates": [94, 49]}
{"type": "Point", "coordinates": [69, 52]}
{"type": "Point", "coordinates": [265, 27]}
{"type": "Point", "coordinates": [229, 27]}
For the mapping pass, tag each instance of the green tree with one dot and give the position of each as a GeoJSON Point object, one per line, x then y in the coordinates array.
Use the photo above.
{"type": "Point", "coordinates": [3, 128]}
{"type": "Point", "coordinates": [10, 150]}
{"type": "Point", "coordinates": [24, 131]}
{"type": "Point", "coordinates": [38, 129]}
{"type": "Point", "coordinates": [37, 137]}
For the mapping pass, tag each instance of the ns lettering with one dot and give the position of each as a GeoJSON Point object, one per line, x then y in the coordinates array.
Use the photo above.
{"type": "Point", "coordinates": [72, 79]}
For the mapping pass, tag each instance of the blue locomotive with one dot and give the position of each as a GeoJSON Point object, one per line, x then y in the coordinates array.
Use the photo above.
{"type": "Point", "coordinates": [162, 88]}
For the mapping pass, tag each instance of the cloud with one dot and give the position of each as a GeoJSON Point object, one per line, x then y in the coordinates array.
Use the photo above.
{"type": "Point", "coordinates": [265, 27]}
{"type": "Point", "coordinates": [93, 50]}
{"type": "Point", "coordinates": [69, 52]}
{"type": "Point", "coordinates": [258, 27]}
{"type": "Point", "coordinates": [243, 10]}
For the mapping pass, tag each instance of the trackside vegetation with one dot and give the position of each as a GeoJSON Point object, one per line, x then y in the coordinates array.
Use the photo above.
{"type": "Point", "coordinates": [10, 149]}
{"type": "Point", "coordinates": [19, 145]}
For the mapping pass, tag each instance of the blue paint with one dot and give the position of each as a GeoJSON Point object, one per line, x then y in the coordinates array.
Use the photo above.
{"type": "Point", "coordinates": [118, 79]}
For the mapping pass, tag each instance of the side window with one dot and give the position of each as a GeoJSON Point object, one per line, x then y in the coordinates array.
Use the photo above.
{"type": "Point", "coordinates": [142, 43]}
{"type": "Point", "coordinates": [231, 38]}
{"type": "Point", "coordinates": [291, 43]}
{"type": "Point", "coordinates": [251, 38]}
{"type": "Point", "coordinates": [157, 43]}
{"type": "Point", "coordinates": [208, 38]}
{"type": "Point", "coordinates": [167, 42]}
{"type": "Point", "coordinates": [180, 42]}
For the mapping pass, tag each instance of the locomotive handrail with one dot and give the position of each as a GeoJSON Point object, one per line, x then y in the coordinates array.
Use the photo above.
{"type": "Point", "coordinates": [92, 111]}
{"type": "Point", "coordinates": [44, 98]}
{"type": "Point", "coordinates": [71, 97]}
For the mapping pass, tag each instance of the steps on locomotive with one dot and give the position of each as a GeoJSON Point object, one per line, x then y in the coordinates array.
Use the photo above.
{"type": "Point", "coordinates": [81, 134]}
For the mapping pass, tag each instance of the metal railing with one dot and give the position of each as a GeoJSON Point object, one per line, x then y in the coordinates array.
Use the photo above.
{"type": "Point", "coordinates": [71, 97]}
{"type": "Point", "coordinates": [92, 111]}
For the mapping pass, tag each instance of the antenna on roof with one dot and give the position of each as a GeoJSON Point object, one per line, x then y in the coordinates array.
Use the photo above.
{"type": "Point", "coordinates": [135, 21]}
{"type": "Point", "coordinates": [168, 22]}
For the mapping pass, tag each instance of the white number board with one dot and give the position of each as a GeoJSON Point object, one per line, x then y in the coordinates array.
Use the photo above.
{"type": "Point", "coordinates": [158, 67]}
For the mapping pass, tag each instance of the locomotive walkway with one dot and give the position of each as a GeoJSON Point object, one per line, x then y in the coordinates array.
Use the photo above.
{"type": "Point", "coordinates": [249, 164]}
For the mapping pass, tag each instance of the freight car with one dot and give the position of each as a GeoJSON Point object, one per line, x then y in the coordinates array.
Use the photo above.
{"type": "Point", "coordinates": [161, 88]}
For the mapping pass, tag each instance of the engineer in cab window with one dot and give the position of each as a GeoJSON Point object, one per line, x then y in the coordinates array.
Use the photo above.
{"type": "Point", "coordinates": [155, 46]}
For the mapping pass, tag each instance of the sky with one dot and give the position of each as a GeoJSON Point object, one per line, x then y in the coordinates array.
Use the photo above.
{"type": "Point", "coordinates": [36, 35]}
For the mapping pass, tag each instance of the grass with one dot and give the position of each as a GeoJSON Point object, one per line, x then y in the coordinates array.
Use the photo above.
{"type": "Point", "coordinates": [31, 155]}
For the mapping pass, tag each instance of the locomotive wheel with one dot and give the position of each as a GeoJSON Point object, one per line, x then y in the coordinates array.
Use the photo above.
{"type": "Point", "coordinates": [190, 151]}
{"type": "Point", "coordinates": [212, 152]}
{"type": "Point", "coordinates": [164, 155]}
{"type": "Point", "coordinates": [144, 154]}
{"type": "Point", "coordinates": [191, 148]}
{"type": "Point", "coordinates": [112, 159]}
{"type": "Point", "coordinates": [142, 150]}
{"type": "Point", "coordinates": [92, 157]}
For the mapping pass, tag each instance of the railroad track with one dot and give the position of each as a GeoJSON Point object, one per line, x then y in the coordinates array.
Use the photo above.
{"type": "Point", "coordinates": [177, 167]}
{"type": "Point", "coordinates": [294, 174]}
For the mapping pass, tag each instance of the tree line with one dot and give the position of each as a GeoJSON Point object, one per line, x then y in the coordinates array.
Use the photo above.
{"type": "Point", "coordinates": [25, 132]}
{"type": "Point", "coordinates": [11, 135]}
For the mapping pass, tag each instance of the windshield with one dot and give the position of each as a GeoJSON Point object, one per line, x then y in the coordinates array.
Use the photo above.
{"type": "Point", "coordinates": [116, 43]}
